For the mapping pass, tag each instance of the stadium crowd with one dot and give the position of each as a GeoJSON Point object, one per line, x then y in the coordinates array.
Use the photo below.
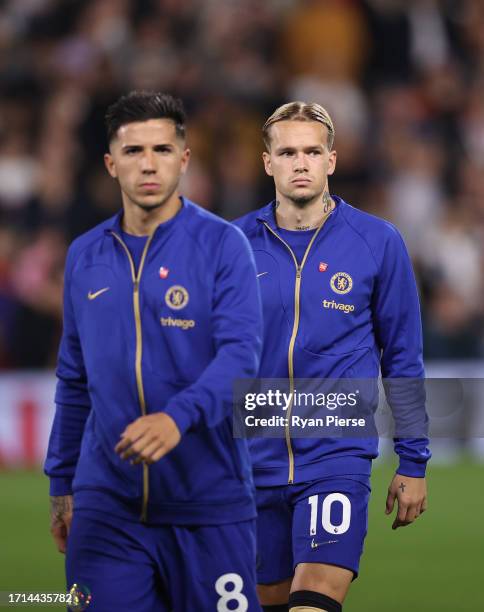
{"type": "Point", "coordinates": [403, 80]}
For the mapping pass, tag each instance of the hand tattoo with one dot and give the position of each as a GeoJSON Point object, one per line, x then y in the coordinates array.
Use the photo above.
{"type": "Point", "coordinates": [402, 487]}
{"type": "Point", "coordinates": [60, 506]}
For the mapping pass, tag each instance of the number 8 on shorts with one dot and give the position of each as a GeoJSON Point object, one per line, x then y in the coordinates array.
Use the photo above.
{"type": "Point", "coordinates": [234, 594]}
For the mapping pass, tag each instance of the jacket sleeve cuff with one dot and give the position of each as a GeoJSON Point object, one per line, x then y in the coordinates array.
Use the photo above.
{"type": "Point", "coordinates": [181, 417]}
{"type": "Point", "coordinates": [410, 468]}
{"type": "Point", "coordinates": [60, 487]}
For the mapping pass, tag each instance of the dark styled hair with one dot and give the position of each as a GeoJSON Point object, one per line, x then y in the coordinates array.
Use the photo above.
{"type": "Point", "coordinates": [142, 106]}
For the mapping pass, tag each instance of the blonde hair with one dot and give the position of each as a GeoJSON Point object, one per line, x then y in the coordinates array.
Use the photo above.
{"type": "Point", "coordinates": [299, 111]}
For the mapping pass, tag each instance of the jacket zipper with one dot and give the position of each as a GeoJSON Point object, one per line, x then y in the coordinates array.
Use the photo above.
{"type": "Point", "coordinates": [136, 277]}
{"type": "Point", "coordinates": [292, 341]}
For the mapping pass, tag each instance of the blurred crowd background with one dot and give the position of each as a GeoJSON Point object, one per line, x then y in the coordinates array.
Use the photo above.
{"type": "Point", "coordinates": [403, 80]}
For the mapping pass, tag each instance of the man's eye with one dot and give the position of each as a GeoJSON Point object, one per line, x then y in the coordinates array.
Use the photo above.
{"type": "Point", "coordinates": [316, 152]}
{"type": "Point", "coordinates": [131, 151]}
{"type": "Point", "coordinates": [163, 149]}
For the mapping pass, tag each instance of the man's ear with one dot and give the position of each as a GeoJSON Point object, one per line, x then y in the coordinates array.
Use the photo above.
{"type": "Point", "coordinates": [110, 165]}
{"type": "Point", "coordinates": [266, 158]}
{"type": "Point", "coordinates": [332, 163]}
{"type": "Point", "coordinates": [184, 160]}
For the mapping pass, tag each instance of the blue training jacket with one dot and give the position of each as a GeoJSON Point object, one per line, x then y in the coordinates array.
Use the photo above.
{"type": "Point", "coordinates": [168, 337]}
{"type": "Point", "coordinates": [349, 308]}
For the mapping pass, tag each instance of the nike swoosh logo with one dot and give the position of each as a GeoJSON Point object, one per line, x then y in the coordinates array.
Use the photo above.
{"type": "Point", "coordinates": [93, 296]}
{"type": "Point", "coordinates": [262, 274]}
{"type": "Point", "coordinates": [318, 544]}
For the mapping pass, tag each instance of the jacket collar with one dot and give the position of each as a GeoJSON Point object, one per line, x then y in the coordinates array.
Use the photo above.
{"type": "Point", "coordinates": [267, 213]}
{"type": "Point", "coordinates": [114, 223]}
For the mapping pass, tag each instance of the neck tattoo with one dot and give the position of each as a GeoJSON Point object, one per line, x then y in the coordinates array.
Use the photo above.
{"type": "Point", "coordinates": [327, 208]}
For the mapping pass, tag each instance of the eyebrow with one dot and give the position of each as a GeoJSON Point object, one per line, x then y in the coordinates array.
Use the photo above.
{"type": "Point", "coordinates": [142, 146]}
{"type": "Point", "coordinates": [292, 149]}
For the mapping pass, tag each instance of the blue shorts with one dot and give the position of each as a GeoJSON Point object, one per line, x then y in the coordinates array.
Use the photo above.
{"type": "Point", "coordinates": [124, 565]}
{"type": "Point", "coordinates": [323, 521]}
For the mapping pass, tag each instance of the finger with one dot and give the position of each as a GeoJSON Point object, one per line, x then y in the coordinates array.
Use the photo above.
{"type": "Point", "coordinates": [121, 445]}
{"type": "Point", "coordinates": [161, 452]}
{"type": "Point", "coordinates": [146, 454]}
{"type": "Point", "coordinates": [129, 437]}
{"type": "Point", "coordinates": [167, 446]}
{"type": "Point", "coordinates": [390, 502]}
{"type": "Point", "coordinates": [398, 523]}
{"type": "Point", "coordinates": [402, 511]}
{"type": "Point", "coordinates": [163, 449]}
{"type": "Point", "coordinates": [405, 516]}
{"type": "Point", "coordinates": [135, 429]}
{"type": "Point", "coordinates": [67, 521]}
{"type": "Point", "coordinates": [128, 453]}
{"type": "Point", "coordinates": [421, 507]}
{"type": "Point", "coordinates": [412, 514]}
{"type": "Point", "coordinates": [61, 544]}
{"type": "Point", "coordinates": [139, 447]}
{"type": "Point", "coordinates": [124, 443]}
{"type": "Point", "coordinates": [59, 533]}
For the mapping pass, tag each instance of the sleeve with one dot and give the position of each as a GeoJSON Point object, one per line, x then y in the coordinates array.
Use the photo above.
{"type": "Point", "coordinates": [72, 401]}
{"type": "Point", "coordinates": [236, 334]}
{"type": "Point", "coordinates": [398, 330]}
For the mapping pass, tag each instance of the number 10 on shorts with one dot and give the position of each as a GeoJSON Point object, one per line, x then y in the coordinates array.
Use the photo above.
{"type": "Point", "coordinates": [328, 502]}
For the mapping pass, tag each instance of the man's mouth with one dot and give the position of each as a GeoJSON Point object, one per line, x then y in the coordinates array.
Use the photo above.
{"type": "Point", "coordinates": [301, 181]}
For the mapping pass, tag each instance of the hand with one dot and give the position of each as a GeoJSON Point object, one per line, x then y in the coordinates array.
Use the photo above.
{"type": "Point", "coordinates": [411, 494]}
{"type": "Point", "coordinates": [149, 438]}
{"type": "Point", "coordinates": [61, 509]}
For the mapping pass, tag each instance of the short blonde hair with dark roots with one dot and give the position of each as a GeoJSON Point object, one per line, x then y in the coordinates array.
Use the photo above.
{"type": "Point", "coordinates": [299, 111]}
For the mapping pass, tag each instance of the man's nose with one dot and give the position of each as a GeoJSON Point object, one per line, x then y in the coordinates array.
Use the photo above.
{"type": "Point", "coordinates": [300, 162]}
{"type": "Point", "coordinates": [148, 164]}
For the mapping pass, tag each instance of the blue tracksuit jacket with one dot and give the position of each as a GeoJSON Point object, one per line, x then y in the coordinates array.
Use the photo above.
{"type": "Point", "coordinates": [313, 330]}
{"type": "Point", "coordinates": [168, 337]}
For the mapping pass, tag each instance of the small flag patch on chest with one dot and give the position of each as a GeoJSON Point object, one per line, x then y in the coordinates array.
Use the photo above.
{"type": "Point", "coordinates": [164, 272]}
{"type": "Point", "coordinates": [323, 266]}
